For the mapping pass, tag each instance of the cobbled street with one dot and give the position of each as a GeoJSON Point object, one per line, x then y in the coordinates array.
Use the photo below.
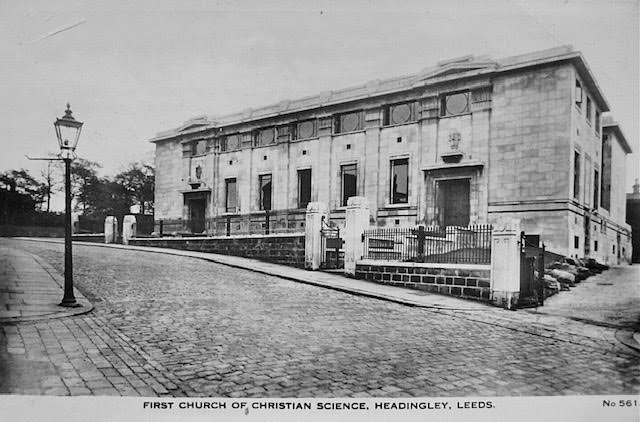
{"type": "Point", "coordinates": [176, 326]}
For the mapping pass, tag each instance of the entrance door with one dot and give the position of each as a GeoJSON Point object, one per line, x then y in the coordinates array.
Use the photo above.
{"type": "Point", "coordinates": [196, 215]}
{"type": "Point", "coordinates": [454, 203]}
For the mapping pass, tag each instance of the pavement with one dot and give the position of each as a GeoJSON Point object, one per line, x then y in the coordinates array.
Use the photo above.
{"type": "Point", "coordinates": [32, 290]}
{"type": "Point", "coordinates": [223, 332]}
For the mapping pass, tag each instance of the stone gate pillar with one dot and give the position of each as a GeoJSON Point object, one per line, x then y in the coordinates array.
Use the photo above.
{"type": "Point", "coordinates": [129, 228]}
{"type": "Point", "coordinates": [357, 221]}
{"type": "Point", "coordinates": [110, 229]}
{"type": "Point", "coordinates": [75, 223]}
{"type": "Point", "coordinates": [505, 263]}
{"type": "Point", "coordinates": [313, 238]}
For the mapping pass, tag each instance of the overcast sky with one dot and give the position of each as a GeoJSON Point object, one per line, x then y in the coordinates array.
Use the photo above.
{"type": "Point", "coordinates": [132, 69]}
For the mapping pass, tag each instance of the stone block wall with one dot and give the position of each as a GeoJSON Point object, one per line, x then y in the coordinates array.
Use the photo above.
{"type": "Point", "coordinates": [279, 249]}
{"type": "Point", "coordinates": [464, 281]}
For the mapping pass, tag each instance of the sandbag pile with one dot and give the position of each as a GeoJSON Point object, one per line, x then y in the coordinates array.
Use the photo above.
{"type": "Point", "coordinates": [562, 275]}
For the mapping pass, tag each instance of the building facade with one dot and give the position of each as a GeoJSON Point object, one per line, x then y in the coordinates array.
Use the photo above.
{"type": "Point", "coordinates": [468, 141]}
{"type": "Point", "coordinates": [633, 219]}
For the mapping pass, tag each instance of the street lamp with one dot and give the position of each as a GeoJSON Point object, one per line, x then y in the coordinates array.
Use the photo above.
{"type": "Point", "coordinates": [68, 132]}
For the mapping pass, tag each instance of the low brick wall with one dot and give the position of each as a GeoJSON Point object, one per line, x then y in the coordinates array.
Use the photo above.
{"type": "Point", "coordinates": [465, 281]}
{"type": "Point", "coordinates": [285, 249]}
{"type": "Point", "coordinates": [30, 231]}
{"type": "Point", "coordinates": [93, 237]}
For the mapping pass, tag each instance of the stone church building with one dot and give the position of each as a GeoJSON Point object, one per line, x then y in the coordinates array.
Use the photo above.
{"type": "Point", "coordinates": [467, 141]}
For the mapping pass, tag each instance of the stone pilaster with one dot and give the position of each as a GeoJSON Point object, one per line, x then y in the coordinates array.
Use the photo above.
{"type": "Point", "coordinates": [357, 221]}
{"type": "Point", "coordinates": [505, 263]}
{"type": "Point", "coordinates": [316, 211]}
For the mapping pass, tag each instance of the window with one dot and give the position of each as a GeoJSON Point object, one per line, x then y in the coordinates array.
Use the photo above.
{"type": "Point", "coordinates": [605, 173]}
{"type": "Point", "coordinates": [597, 122]}
{"type": "Point", "coordinates": [348, 122]}
{"type": "Point", "coordinates": [264, 137]}
{"type": "Point", "coordinates": [231, 195]}
{"type": "Point", "coordinates": [349, 176]}
{"type": "Point", "coordinates": [455, 104]}
{"type": "Point", "coordinates": [265, 192]}
{"type": "Point", "coordinates": [588, 116]}
{"type": "Point", "coordinates": [596, 188]}
{"type": "Point", "coordinates": [576, 242]}
{"type": "Point", "coordinates": [595, 246]}
{"type": "Point", "coordinates": [399, 113]}
{"type": "Point", "coordinates": [576, 175]}
{"type": "Point", "coordinates": [578, 94]}
{"type": "Point", "coordinates": [230, 143]}
{"type": "Point", "coordinates": [304, 188]}
{"type": "Point", "coordinates": [400, 181]}
{"type": "Point", "coordinates": [304, 130]}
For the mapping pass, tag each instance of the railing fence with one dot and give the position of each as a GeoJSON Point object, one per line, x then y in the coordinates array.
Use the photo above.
{"type": "Point", "coordinates": [450, 244]}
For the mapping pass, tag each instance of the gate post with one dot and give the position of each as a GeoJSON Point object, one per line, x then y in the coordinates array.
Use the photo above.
{"type": "Point", "coordinates": [316, 211]}
{"type": "Point", "coordinates": [75, 223]}
{"type": "Point", "coordinates": [129, 228]}
{"type": "Point", "coordinates": [110, 229]}
{"type": "Point", "coordinates": [505, 263]}
{"type": "Point", "coordinates": [357, 221]}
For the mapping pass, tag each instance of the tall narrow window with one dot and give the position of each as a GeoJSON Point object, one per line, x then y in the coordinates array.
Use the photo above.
{"type": "Point", "coordinates": [304, 188]}
{"type": "Point", "coordinates": [400, 181]}
{"type": "Point", "coordinates": [265, 192]}
{"type": "Point", "coordinates": [231, 195]}
{"type": "Point", "coordinates": [576, 175]}
{"type": "Point", "coordinates": [597, 122]}
{"type": "Point", "coordinates": [349, 176]}
{"type": "Point", "coordinates": [588, 112]}
{"type": "Point", "coordinates": [596, 189]}
{"type": "Point", "coordinates": [578, 94]}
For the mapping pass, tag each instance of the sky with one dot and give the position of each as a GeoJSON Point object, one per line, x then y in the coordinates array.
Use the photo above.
{"type": "Point", "coordinates": [132, 69]}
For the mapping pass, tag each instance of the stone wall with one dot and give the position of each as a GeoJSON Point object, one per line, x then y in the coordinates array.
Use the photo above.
{"type": "Point", "coordinates": [279, 249]}
{"type": "Point", "coordinates": [465, 281]}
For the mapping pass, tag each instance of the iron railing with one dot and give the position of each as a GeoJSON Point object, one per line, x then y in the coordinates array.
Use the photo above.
{"type": "Point", "coordinates": [259, 223]}
{"type": "Point", "coordinates": [459, 245]}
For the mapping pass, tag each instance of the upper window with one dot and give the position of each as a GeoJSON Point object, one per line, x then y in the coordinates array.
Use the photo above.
{"type": "Point", "coordinates": [588, 111]}
{"type": "Point", "coordinates": [230, 143]}
{"type": "Point", "coordinates": [231, 195]}
{"type": "Point", "coordinates": [265, 192]}
{"type": "Point", "coordinates": [576, 175]}
{"type": "Point", "coordinates": [304, 130]}
{"type": "Point", "coordinates": [597, 121]}
{"type": "Point", "coordinates": [265, 136]}
{"type": "Point", "coordinates": [578, 94]}
{"type": "Point", "coordinates": [349, 122]}
{"type": "Point", "coordinates": [400, 181]}
{"type": "Point", "coordinates": [596, 188]}
{"type": "Point", "coordinates": [349, 176]}
{"type": "Point", "coordinates": [454, 104]}
{"type": "Point", "coordinates": [399, 113]}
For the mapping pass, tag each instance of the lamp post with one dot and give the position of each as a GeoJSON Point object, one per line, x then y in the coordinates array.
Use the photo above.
{"type": "Point", "coordinates": [68, 132]}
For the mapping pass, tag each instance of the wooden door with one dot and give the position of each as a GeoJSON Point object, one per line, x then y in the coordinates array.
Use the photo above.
{"type": "Point", "coordinates": [455, 202]}
{"type": "Point", "coordinates": [196, 215]}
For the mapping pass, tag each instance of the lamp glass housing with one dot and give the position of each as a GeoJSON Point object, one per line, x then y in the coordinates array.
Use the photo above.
{"type": "Point", "coordinates": [68, 133]}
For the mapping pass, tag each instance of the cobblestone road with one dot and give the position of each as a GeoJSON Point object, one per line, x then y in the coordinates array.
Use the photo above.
{"type": "Point", "coordinates": [168, 325]}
